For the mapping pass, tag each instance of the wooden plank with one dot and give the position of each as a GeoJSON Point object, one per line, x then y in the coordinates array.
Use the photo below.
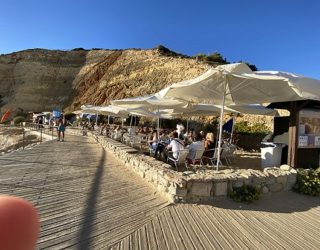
{"type": "Point", "coordinates": [224, 228]}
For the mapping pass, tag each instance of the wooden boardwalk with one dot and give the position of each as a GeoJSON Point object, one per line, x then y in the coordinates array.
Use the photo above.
{"type": "Point", "coordinates": [283, 221]}
{"type": "Point", "coordinates": [88, 200]}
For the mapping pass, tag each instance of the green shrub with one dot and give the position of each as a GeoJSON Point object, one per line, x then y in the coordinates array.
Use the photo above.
{"type": "Point", "coordinates": [18, 119]}
{"type": "Point", "coordinates": [246, 193]}
{"type": "Point", "coordinates": [210, 127]}
{"type": "Point", "coordinates": [216, 57]}
{"type": "Point", "coordinates": [211, 58]}
{"type": "Point", "coordinates": [200, 56]}
{"type": "Point", "coordinates": [308, 182]}
{"type": "Point", "coordinates": [78, 49]}
{"type": "Point", "coordinates": [251, 66]}
{"type": "Point", "coordinates": [244, 128]}
{"type": "Point", "coordinates": [167, 52]}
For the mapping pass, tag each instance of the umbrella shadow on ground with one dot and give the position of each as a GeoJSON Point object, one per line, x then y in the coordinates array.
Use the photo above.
{"type": "Point", "coordinates": [280, 202]}
{"type": "Point", "coordinates": [89, 213]}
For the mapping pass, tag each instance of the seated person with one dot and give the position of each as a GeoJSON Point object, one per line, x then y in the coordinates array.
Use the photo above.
{"type": "Point", "coordinates": [117, 129]}
{"type": "Point", "coordinates": [180, 129]}
{"type": "Point", "coordinates": [164, 137]}
{"type": "Point", "coordinates": [153, 140]}
{"type": "Point", "coordinates": [132, 131]}
{"type": "Point", "coordinates": [102, 128]}
{"type": "Point", "coordinates": [108, 130]}
{"type": "Point", "coordinates": [175, 145]}
{"type": "Point", "coordinates": [209, 142]}
{"type": "Point", "coordinates": [202, 135]}
{"type": "Point", "coordinates": [145, 130]}
{"type": "Point", "coordinates": [198, 144]}
{"type": "Point", "coordinates": [117, 133]}
{"type": "Point", "coordinates": [209, 145]}
{"type": "Point", "coordinates": [140, 130]}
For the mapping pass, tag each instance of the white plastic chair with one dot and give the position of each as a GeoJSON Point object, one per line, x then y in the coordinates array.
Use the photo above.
{"type": "Point", "coordinates": [197, 157]}
{"type": "Point", "coordinates": [213, 159]}
{"type": "Point", "coordinates": [210, 155]}
{"type": "Point", "coordinates": [126, 138]}
{"type": "Point", "coordinates": [117, 136]}
{"type": "Point", "coordinates": [228, 153]}
{"type": "Point", "coordinates": [181, 158]}
{"type": "Point", "coordinates": [136, 140]}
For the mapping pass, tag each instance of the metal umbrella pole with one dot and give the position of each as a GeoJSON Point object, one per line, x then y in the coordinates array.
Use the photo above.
{"type": "Point", "coordinates": [187, 124]}
{"type": "Point", "coordinates": [220, 127]}
{"type": "Point", "coordinates": [97, 118]}
{"type": "Point", "coordinates": [158, 125]}
{"type": "Point", "coordinates": [233, 123]}
{"type": "Point", "coordinates": [131, 121]}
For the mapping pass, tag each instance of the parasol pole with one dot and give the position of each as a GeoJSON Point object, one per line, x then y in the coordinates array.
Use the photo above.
{"type": "Point", "coordinates": [131, 121]}
{"type": "Point", "coordinates": [221, 120]}
{"type": "Point", "coordinates": [233, 123]}
{"type": "Point", "coordinates": [97, 118]}
{"type": "Point", "coordinates": [158, 125]}
{"type": "Point", "coordinates": [187, 125]}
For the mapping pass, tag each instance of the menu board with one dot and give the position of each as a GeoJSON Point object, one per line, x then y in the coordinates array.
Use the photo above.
{"type": "Point", "coordinates": [309, 129]}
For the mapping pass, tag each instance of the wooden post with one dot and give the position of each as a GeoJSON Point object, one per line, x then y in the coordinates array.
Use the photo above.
{"type": "Point", "coordinates": [292, 147]}
{"type": "Point", "coordinates": [23, 138]}
{"type": "Point", "coordinates": [295, 107]}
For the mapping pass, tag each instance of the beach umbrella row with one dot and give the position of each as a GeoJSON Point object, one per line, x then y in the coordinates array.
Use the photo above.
{"type": "Point", "coordinates": [235, 84]}
{"type": "Point", "coordinates": [233, 88]}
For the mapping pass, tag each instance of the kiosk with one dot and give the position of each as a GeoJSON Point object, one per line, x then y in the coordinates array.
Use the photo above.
{"type": "Point", "coordinates": [303, 127]}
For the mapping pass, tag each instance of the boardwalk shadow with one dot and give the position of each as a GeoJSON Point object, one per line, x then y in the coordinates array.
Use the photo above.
{"type": "Point", "coordinates": [281, 202]}
{"type": "Point", "coordinates": [89, 214]}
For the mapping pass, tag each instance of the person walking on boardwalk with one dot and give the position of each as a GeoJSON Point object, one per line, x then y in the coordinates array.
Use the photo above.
{"type": "Point", "coordinates": [61, 128]}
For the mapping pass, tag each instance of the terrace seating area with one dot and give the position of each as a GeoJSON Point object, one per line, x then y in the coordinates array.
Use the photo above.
{"type": "Point", "coordinates": [186, 157]}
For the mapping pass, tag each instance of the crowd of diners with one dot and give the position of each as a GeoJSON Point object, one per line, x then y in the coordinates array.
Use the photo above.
{"type": "Point", "coordinates": [166, 142]}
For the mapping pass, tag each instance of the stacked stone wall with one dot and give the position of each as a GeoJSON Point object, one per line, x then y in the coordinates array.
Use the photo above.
{"type": "Point", "coordinates": [199, 186]}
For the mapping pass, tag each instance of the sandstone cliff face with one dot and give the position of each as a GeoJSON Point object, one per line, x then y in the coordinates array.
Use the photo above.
{"type": "Point", "coordinates": [38, 80]}
{"type": "Point", "coordinates": [130, 73]}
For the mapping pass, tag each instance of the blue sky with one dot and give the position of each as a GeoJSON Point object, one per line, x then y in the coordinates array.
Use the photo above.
{"type": "Point", "coordinates": [274, 35]}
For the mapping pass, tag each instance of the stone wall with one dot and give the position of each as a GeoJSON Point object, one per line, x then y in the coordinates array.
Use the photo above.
{"type": "Point", "coordinates": [200, 186]}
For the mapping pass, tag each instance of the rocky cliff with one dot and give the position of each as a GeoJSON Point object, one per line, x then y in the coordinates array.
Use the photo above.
{"type": "Point", "coordinates": [39, 80]}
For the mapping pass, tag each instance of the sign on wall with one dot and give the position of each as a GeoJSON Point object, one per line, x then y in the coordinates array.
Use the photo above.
{"type": "Point", "coordinates": [309, 129]}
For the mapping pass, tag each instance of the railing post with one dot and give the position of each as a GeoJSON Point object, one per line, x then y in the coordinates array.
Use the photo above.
{"type": "Point", "coordinates": [23, 137]}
